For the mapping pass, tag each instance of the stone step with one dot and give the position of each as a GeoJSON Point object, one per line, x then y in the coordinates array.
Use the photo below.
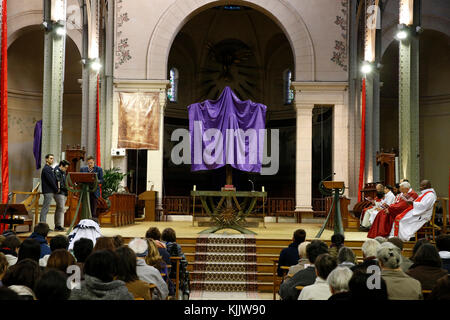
{"type": "Point", "coordinates": [236, 286]}
{"type": "Point", "coordinates": [225, 257]}
{"type": "Point", "coordinates": [241, 248]}
{"type": "Point", "coordinates": [224, 276]}
{"type": "Point", "coordinates": [242, 266]}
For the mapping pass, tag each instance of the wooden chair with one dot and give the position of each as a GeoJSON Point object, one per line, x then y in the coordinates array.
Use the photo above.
{"type": "Point", "coordinates": [426, 294]}
{"type": "Point", "coordinates": [177, 261]}
{"type": "Point", "coordinates": [445, 221]}
{"type": "Point", "coordinates": [151, 287]}
{"type": "Point", "coordinates": [430, 226]}
{"type": "Point", "coordinates": [277, 279]}
{"type": "Point", "coordinates": [31, 202]}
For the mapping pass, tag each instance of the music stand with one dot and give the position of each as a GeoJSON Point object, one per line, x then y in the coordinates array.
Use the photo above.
{"type": "Point", "coordinates": [82, 183]}
{"type": "Point", "coordinates": [12, 209]}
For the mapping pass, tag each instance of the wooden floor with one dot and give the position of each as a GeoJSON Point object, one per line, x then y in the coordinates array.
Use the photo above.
{"type": "Point", "coordinates": [184, 229]}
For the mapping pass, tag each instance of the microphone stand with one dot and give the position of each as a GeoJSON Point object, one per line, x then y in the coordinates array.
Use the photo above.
{"type": "Point", "coordinates": [253, 186]}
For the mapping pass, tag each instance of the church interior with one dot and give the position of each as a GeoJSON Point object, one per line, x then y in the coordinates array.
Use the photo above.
{"type": "Point", "coordinates": [342, 105]}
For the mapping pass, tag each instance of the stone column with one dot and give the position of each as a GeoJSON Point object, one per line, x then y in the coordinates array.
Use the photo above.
{"type": "Point", "coordinates": [308, 94]}
{"type": "Point", "coordinates": [303, 162]}
{"type": "Point", "coordinates": [155, 157]}
{"type": "Point", "coordinates": [52, 108]}
{"type": "Point", "coordinates": [90, 54]}
{"type": "Point", "coordinates": [341, 156]}
{"type": "Point", "coordinates": [106, 119]}
{"type": "Point", "coordinates": [409, 97]}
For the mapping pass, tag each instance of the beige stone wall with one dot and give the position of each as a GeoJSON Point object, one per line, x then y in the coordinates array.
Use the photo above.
{"type": "Point", "coordinates": [145, 31]}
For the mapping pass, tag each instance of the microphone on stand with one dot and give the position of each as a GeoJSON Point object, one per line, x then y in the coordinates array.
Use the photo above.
{"type": "Point", "coordinates": [253, 186]}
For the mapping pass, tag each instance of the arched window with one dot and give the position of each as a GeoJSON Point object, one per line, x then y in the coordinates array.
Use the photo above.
{"type": "Point", "coordinates": [288, 92]}
{"type": "Point", "coordinates": [172, 93]}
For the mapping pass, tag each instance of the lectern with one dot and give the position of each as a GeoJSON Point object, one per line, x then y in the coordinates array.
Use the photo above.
{"type": "Point", "coordinates": [335, 189]}
{"type": "Point", "coordinates": [82, 183]}
{"type": "Point", "coordinates": [149, 197]}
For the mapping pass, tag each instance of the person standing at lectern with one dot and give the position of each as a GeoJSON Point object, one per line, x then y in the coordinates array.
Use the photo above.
{"type": "Point", "coordinates": [49, 186]}
{"type": "Point", "coordinates": [93, 196]}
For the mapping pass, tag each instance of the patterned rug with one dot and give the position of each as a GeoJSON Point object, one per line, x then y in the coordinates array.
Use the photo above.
{"type": "Point", "coordinates": [225, 267]}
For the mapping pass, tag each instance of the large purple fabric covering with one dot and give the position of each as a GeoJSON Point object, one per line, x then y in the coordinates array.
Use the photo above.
{"type": "Point", "coordinates": [214, 145]}
{"type": "Point", "coordinates": [37, 144]}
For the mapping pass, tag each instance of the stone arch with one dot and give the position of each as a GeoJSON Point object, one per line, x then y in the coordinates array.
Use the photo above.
{"type": "Point", "coordinates": [280, 11]}
{"type": "Point", "coordinates": [32, 20]}
{"type": "Point", "coordinates": [436, 23]}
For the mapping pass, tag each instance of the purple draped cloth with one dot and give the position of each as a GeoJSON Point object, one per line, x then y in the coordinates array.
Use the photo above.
{"type": "Point", "coordinates": [37, 144]}
{"type": "Point", "coordinates": [227, 131]}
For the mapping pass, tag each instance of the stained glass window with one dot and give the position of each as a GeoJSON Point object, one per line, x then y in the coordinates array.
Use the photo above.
{"type": "Point", "coordinates": [288, 92]}
{"type": "Point", "coordinates": [172, 93]}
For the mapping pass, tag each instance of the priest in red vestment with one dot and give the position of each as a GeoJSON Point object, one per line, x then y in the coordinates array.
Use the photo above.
{"type": "Point", "coordinates": [384, 220]}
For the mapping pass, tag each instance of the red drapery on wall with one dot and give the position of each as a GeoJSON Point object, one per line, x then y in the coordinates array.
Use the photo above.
{"type": "Point", "coordinates": [363, 140]}
{"type": "Point", "coordinates": [4, 106]}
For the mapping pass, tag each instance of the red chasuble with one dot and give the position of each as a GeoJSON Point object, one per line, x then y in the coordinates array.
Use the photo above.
{"type": "Point", "coordinates": [382, 224]}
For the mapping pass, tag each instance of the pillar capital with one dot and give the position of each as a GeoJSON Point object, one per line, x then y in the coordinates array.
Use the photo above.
{"type": "Point", "coordinates": [308, 94]}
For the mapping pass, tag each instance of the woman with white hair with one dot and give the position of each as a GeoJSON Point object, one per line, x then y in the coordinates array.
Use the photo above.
{"type": "Point", "coordinates": [302, 262]}
{"type": "Point", "coordinates": [400, 286]}
{"type": "Point", "coordinates": [338, 281]}
{"type": "Point", "coordinates": [369, 250]}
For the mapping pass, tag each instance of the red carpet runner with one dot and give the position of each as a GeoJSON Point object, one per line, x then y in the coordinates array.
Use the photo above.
{"type": "Point", "coordinates": [225, 267]}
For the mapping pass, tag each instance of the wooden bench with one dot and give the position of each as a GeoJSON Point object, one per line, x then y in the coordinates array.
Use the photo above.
{"type": "Point", "coordinates": [283, 207]}
{"type": "Point", "coordinates": [121, 212]}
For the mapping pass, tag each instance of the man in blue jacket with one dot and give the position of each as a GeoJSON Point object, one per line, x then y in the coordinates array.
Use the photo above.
{"type": "Point", "coordinates": [48, 185]}
{"type": "Point", "coordinates": [40, 233]}
{"type": "Point", "coordinates": [93, 196]}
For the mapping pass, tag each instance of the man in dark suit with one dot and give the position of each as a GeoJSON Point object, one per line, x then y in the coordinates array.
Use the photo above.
{"type": "Point", "coordinates": [306, 276]}
{"type": "Point", "coordinates": [289, 256]}
{"type": "Point", "coordinates": [93, 196]}
{"type": "Point", "coordinates": [48, 185]}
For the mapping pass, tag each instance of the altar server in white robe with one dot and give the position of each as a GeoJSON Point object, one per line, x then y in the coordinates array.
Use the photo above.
{"type": "Point", "coordinates": [412, 219]}
{"type": "Point", "coordinates": [384, 199]}
{"type": "Point", "coordinates": [389, 198]}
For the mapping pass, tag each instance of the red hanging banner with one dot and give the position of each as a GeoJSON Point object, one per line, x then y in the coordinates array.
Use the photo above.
{"type": "Point", "coordinates": [363, 140]}
{"type": "Point", "coordinates": [4, 106]}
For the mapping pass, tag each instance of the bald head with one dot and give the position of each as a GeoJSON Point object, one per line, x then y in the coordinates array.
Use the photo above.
{"type": "Point", "coordinates": [425, 184]}
{"type": "Point", "coordinates": [380, 187]}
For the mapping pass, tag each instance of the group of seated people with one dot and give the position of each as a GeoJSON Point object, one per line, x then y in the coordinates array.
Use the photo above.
{"type": "Point", "coordinates": [319, 272]}
{"type": "Point", "coordinates": [103, 269]}
{"type": "Point", "coordinates": [398, 211]}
